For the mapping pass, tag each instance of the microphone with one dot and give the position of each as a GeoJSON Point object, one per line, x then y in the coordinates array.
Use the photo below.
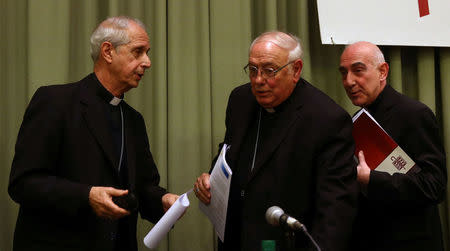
{"type": "Point", "coordinates": [275, 216]}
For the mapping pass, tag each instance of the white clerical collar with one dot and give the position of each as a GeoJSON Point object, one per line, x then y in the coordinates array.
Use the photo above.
{"type": "Point", "coordinates": [115, 101]}
{"type": "Point", "coordinates": [270, 110]}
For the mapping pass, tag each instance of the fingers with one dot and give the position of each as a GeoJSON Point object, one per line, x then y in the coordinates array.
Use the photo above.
{"type": "Point", "coordinates": [116, 192]}
{"type": "Point", "coordinates": [205, 181]}
{"type": "Point", "coordinates": [362, 160]}
{"type": "Point", "coordinates": [100, 199]}
{"type": "Point", "coordinates": [361, 157]}
{"type": "Point", "coordinates": [363, 170]}
{"type": "Point", "coordinates": [168, 199]}
{"type": "Point", "coordinates": [201, 188]}
{"type": "Point", "coordinates": [115, 212]}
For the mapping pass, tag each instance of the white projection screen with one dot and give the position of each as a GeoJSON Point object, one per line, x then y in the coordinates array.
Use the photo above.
{"type": "Point", "coordinates": [385, 22]}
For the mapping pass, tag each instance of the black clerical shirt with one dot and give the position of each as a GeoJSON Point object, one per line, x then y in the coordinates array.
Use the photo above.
{"type": "Point", "coordinates": [114, 113]}
{"type": "Point", "coordinates": [255, 140]}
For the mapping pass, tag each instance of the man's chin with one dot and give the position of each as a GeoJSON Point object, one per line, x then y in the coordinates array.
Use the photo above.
{"type": "Point", "coordinates": [358, 102]}
{"type": "Point", "coordinates": [134, 84]}
{"type": "Point", "coordinates": [265, 103]}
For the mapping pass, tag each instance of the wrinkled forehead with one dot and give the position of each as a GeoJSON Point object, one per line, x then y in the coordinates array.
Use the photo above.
{"type": "Point", "coordinates": [357, 56]}
{"type": "Point", "coordinates": [138, 36]}
{"type": "Point", "coordinates": [137, 31]}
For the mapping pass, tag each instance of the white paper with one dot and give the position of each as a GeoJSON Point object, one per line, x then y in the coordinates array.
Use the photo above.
{"type": "Point", "coordinates": [384, 22]}
{"type": "Point", "coordinates": [166, 222]}
{"type": "Point", "coordinates": [220, 181]}
{"type": "Point", "coordinates": [369, 115]}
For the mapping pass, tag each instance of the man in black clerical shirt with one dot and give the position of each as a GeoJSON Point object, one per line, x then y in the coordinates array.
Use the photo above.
{"type": "Point", "coordinates": [291, 147]}
{"type": "Point", "coordinates": [397, 212]}
{"type": "Point", "coordinates": [81, 148]}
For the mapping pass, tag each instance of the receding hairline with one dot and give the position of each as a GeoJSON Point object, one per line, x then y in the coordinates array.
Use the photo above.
{"type": "Point", "coordinates": [283, 40]}
{"type": "Point", "coordinates": [115, 30]}
{"type": "Point", "coordinates": [372, 51]}
{"type": "Point", "coordinates": [112, 22]}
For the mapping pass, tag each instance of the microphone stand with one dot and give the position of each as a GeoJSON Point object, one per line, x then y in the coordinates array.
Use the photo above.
{"type": "Point", "coordinates": [290, 235]}
{"type": "Point", "coordinates": [311, 239]}
{"type": "Point", "coordinates": [289, 239]}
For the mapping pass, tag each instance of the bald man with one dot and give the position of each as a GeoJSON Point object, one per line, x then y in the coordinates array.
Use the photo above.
{"type": "Point", "coordinates": [397, 212]}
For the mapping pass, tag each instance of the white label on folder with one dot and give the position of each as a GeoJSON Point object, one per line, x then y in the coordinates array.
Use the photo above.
{"type": "Point", "coordinates": [397, 162]}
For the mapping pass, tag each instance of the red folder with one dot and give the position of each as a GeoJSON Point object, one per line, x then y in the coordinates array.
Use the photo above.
{"type": "Point", "coordinates": [381, 152]}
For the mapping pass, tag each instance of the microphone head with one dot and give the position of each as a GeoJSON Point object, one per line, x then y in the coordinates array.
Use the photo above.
{"type": "Point", "coordinates": [273, 215]}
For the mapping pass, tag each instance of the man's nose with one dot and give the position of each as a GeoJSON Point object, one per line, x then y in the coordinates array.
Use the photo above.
{"type": "Point", "coordinates": [259, 79]}
{"type": "Point", "coordinates": [349, 80]}
{"type": "Point", "coordinates": [146, 63]}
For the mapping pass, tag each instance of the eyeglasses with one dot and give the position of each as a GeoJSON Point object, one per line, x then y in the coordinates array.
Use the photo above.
{"type": "Point", "coordinates": [266, 73]}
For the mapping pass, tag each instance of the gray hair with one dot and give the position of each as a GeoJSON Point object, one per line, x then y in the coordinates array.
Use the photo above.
{"type": "Point", "coordinates": [113, 30]}
{"type": "Point", "coordinates": [378, 57]}
{"type": "Point", "coordinates": [286, 41]}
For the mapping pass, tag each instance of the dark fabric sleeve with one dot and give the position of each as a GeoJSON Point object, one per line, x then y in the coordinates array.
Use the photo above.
{"type": "Point", "coordinates": [227, 138]}
{"type": "Point", "coordinates": [33, 179]}
{"type": "Point", "coordinates": [147, 185]}
{"type": "Point", "coordinates": [425, 183]}
{"type": "Point", "coordinates": [336, 186]}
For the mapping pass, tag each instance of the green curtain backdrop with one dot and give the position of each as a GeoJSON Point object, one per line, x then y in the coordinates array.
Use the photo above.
{"type": "Point", "coordinates": [198, 50]}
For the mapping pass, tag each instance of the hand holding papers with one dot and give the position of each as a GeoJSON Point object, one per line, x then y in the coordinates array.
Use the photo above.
{"type": "Point", "coordinates": [167, 221]}
{"type": "Point", "coordinates": [220, 181]}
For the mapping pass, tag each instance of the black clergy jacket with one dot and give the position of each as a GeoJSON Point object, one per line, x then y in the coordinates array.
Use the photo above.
{"type": "Point", "coordinates": [65, 147]}
{"type": "Point", "coordinates": [400, 212]}
{"type": "Point", "coordinates": [304, 165]}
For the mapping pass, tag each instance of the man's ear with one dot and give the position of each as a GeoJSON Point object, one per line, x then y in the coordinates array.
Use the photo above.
{"type": "Point", "coordinates": [106, 51]}
{"type": "Point", "coordinates": [384, 70]}
{"type": "Point", "coordinates": [297, 67]}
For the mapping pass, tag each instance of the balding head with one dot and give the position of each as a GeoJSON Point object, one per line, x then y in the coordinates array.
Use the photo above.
{"type": "Point", "coordinates": [119, 49]}
{"type": "Point", "coordinates": [374, 53]}
{"type": "Point", "coordinates": [274, 66]}
{"type": "Point", "coordinates": [283, 40]}
{"type": "Point", "coordinates": [364, 72]}
{"type": "Point", "coordinates": [113, 30]}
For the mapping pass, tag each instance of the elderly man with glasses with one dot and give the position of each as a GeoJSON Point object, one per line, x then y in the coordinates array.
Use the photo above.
{"type": "Point", "coordinates": [291, 146]}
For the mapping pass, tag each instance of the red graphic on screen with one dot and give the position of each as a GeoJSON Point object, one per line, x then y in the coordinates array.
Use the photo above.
{"type": "Point", "coordinates": [423, 8]}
